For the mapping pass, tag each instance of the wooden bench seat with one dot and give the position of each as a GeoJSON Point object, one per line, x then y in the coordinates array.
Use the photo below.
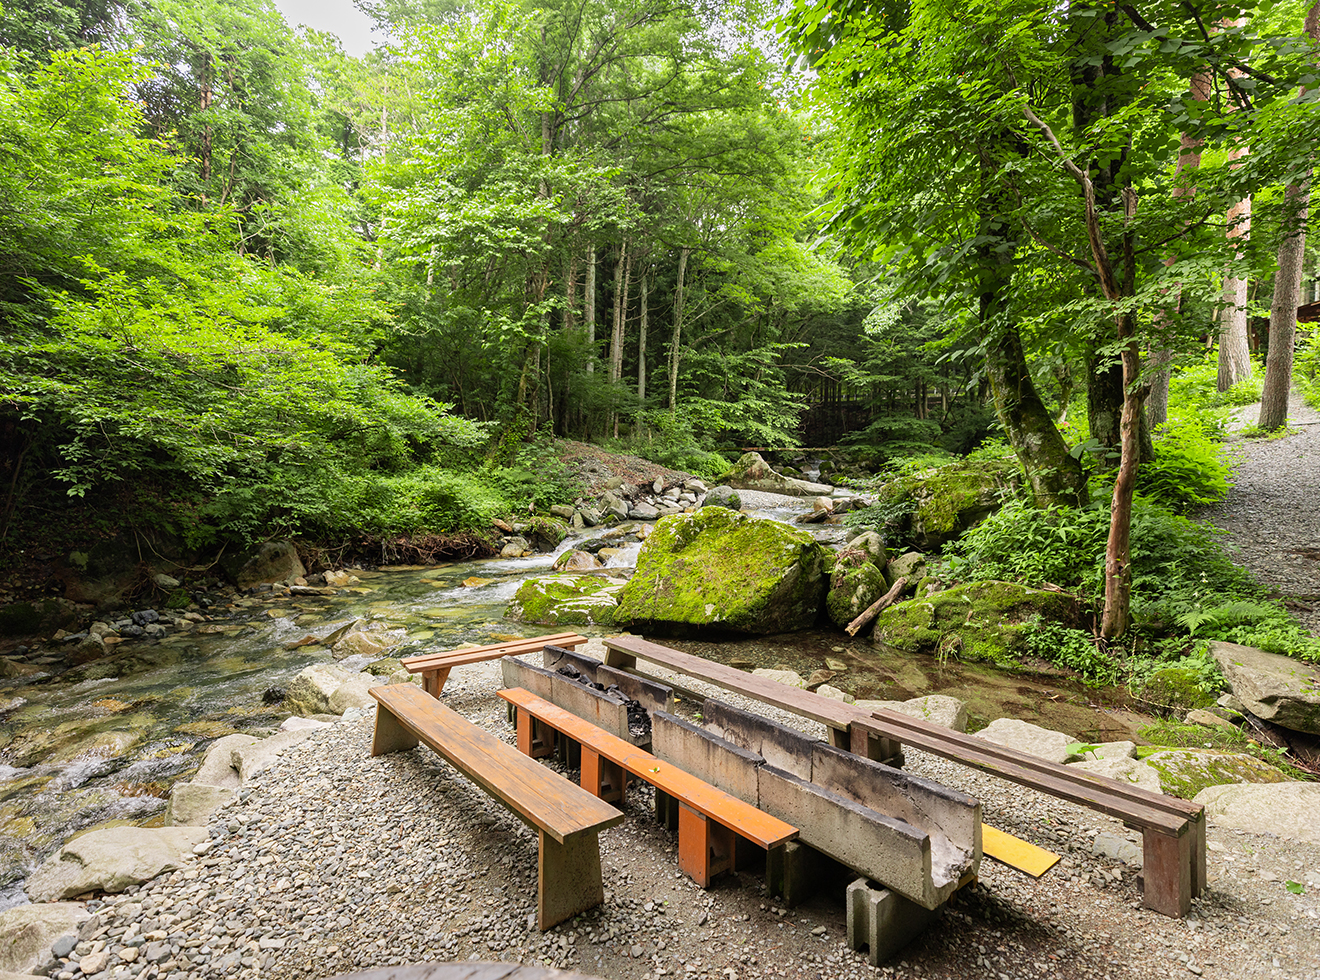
{"type": "Point", "coordinates": [1173, 830]}
{"type": "Point", "coordinates": [708, 818]}
{"type": "Point", "coordinates": [435, 667]}
{"type": "Point", "coordinates": [567, 819]}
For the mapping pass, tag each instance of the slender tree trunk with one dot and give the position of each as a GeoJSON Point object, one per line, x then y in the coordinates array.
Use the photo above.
{"type": "Point", "coordinates": [1287, 288]}
{"type": "Point", "coordinates": [676, 334]}
{"type": "Point", "coordinates": [641, 339]}
{"type": "Point", "coordinates": [589, 308]}
{"type": "Point", "coordinates": [622, 271]}
{"type": "Point", "coordinates": [1234, 346]}
{"type": "Point", "coordinates": [570, 295]}
{"type": "Point", "coordinates": [1161, 355]}
{"type": "Point", "coordinates": [204, 98]}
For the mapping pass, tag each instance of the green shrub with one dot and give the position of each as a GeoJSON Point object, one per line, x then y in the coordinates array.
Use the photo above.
{"type": "Point", "coordinates": [1076, 650]}
{"type": "Point", "coordinates": [1021, 543]}
{"type": "Point", "coordinates": [1190, 469]}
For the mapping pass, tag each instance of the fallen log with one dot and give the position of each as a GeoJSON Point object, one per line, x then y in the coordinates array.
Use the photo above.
{"type": "Point", "coordinates": [877, 607]}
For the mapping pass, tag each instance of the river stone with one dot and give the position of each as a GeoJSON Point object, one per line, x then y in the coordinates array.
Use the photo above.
{"type": "Point", "coordinates": [786, 677]}
{"type": "Point", "coordinates": [855, 583]}
{"type": "Point", "coordinates": [910, 565]}
{"type": "Point", "coordinates": [252, 758]}
{"type": "Point", "coordinates": [12, 670]}
{"type": "Point", "coordinates": [193, 804]}
{"type": "Point", "coordinates": [989, 621]}
{"type": "Point", "coordinates": [566, 600]}
{"type": "Point", "coordinates": [1276, 688]}
{"type": "Point", "coordinates": [720, 570]}
{"type": "Point", "coordinates": [111, 860]}
{"type": "Point", "coordinates": [577, 561]}
{"type": "Point", "coordinates": [725, 497]}
{"type": "Point", "coordinates": [220, 766]}
{"type": "Point", "coordinates": [938, 709]}
{"type": "Point", "coordinates": [367, 643]}
{"type": "Point", "coordinates": [643, 511]}
{"type": "Point", "coordinates": [309, 693]}
{"type": "Point", "coordinates": [1289, 809]}
{"type": "Point", "coordinates": [1031, 739]}
{"type": "Point", "coordinates": [27, 932]}
{"type": "Point", "coordinates": [516, 547]}
{"type": "Point", "coordinates": [353, 693]}
{"type": "Point", "coordinates": [1185, 772]}
{"type": "Point", "coordinates": [874, 545]}
{"type": "Point", "coordinates": [1111, 750]}
{"type": "Point", "coordinates": [275, 561]}
{"type": "Point", "coordinates": [752, 472]}
{"type": "Point", "coordinates": [612, 504]}
{"type": "Point", "coordinates": [1127, 771]}
{"type": "Point", "coordinates": [835, 694]}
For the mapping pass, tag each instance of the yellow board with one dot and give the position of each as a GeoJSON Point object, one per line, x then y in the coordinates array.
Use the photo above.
{"type": "Point", "coordinates": [1015, 852]}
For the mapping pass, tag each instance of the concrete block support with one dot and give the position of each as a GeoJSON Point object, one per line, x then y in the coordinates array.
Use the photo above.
{"type": "Point", "coordinates": [793, 871]}
{"type": "Point", "coordinates": [882, 920]}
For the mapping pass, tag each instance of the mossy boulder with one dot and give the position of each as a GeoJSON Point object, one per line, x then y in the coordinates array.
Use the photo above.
{"type": "Point", "coordinates": [1176, 688]}
{"type": "Point", "coordinates": [717, 570]}
{"type": "Point", "coordinates": [566, 600]}
{"type": "Point", "coordinates": [1185, 772]}
{"type": "Point", "coordinates": [752, 472]}
{"type": "Point", "coordinates": [39, 617]}
{"type": "Point", "coordinates": [934, 506]}
{"type": "Point", "coordinates": [977, 621]}
{"type": "Point", "coordinates": [855, 583]}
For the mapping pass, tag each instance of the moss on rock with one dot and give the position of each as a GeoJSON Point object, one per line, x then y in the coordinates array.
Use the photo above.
{"type": "Point", "coordinates": [566, 600]}
{"type": "Point", "coordinates": [977, 621]}
{"type": "Point", "coordinates": [855, 583]}
{"type": "Point", "coordinates": [717, 569]}
{"type": "Point", "coordinates": [1176, 688]}
{"type": "Point", "coordinates": [1185, 772]}
{"type": "Point", "coordinates": [934, 506]}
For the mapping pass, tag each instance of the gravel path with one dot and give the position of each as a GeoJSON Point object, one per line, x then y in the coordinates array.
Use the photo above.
{"type": "Point", "coordinates": [1272, 513]}
{"type": "Point", "coordinates": [332, 862]}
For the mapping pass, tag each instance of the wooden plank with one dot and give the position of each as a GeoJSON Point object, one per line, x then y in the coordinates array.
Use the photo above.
{"type": "Point", "coordinates": [1097, 792]}
{"type": "Point", "coordinates": [1015, 852]}
{"type": "Point", "coordinates": [834, 714]}
{"type": "Point", "coordinates": [536, 794]}
{"type": "Point", "coordinates": [464, 971]}
{"type": "Point", "coordinates": [491, 651]}
{"type": "Point", "coordinates": [747, 820]}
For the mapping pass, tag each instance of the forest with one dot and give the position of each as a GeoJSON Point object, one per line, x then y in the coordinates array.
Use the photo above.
{"type": "Point", "coordinates": [251, 285]}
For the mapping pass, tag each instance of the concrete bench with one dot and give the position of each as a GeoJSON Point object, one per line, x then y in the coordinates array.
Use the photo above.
{"type": "Point", "coordinates": [601, 708]}
{"type": "Point", "coordinates": [567, 819]}
{"type": "Point", "coordinates": [709, 819]}
{"type": "Point", "coordinates": [435, 667]}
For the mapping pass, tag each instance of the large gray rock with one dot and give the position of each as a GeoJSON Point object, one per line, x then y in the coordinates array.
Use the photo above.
{"type": "Point", "coordinates": [938, 709]}
{"type": "Point", "coordinates": [874, 545]}
{"type": "Point", "coordinates": [26, 933]}
{"type": "Point", "coordinates": [309, 693]}
{"type": "Point", "coordinates": [1127, 771]}
{"type": "Point", "coordinates": [1031, 739]}
{"type": "Point", "coordinates": [1289, 810]}
{"type": "Point", "coordinates": [855, 583]}
{"type": "Point", "coordinates": [751, 472]}
{"type": "Point", "coordinates": [935, 506]}
{"type": "Point", "coordinates": [219, 767]}
{"type": "Point", "coordinates": [251, 759]}
{"type": "Point", "coordinates": [275, 561]}
{"type": "Point", "coordinates": [193, 804]}
{"type": "Point", "coordinates": [1278, 689]}
{"type": "Point", "coordinates": [722, 496]}
{"type": "Point", "coordinates": [353, 694]}
{"type": "Point", "coordinates": [727, 572]}
{"type": "Point", "coordinates": [111, 860]}
{"type": "Point", "coordinates": [566, 600]}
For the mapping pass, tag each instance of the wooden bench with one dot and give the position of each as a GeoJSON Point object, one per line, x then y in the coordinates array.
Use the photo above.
{"type": "Point", "coordinates": [708, 818]}
{"type": "Point", "coordinates": [435, 667]}
{"type": "Point", "coordinates": [567, 819]}
{"type": "Point", "coordinates": [1173, 830]}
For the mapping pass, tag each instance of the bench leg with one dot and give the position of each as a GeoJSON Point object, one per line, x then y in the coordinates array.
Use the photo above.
{"type": "Point", "coordinates": [705, 848]}
{"type": "Point", "coordinates": [569, 878]}
{"type": "Point", "coordinates": [624, 661]}
{"type": "Point", "coordinates": [535, 739]}
{"type": "Point", "coordinates": [603, 778]}
{"type": "Point", "coordinates": [840, 738]}
{"type": "Point", "coordinates": [1197, 833]}
{"type": "Point", "coordinates": [433, 681]}
{"type": "Point", "coordinates": [877, 748]}
{"type": "Point", "coordinates": [666, 810]}
{"type": "Point", "coordinates": [1167, 871]}
{"type": "Point", "coordinates": [391, 735]}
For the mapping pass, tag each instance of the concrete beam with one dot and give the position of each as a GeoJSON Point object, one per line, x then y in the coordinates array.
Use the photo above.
{"type": "Point", "coordinates": [602, 710]}
{"type": "Point", "coordinates": [706, 756]}
{"type": "Point", "coordinates": [780, 746]}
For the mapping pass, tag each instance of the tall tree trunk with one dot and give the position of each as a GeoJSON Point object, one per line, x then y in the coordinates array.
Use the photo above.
{"type": "Point", "coordinates": [1161, 355]}
{"type": "Point", "coordinates": [570, 295]}
{"type": "Point", "coordinates": [1234, 346]}
{"type": "Point", "coordinates": [676, 334]}
{"type": "Point", "coordinates": [204, 98]}
{"type": "Point", "coordinates": [589, 308]}
{"type": "Point", "coordinates": [1287, 288]}
{"type": "Point", "coordinates": [622, 272]}
{"type": "Point", "coordinates": [641, 339]}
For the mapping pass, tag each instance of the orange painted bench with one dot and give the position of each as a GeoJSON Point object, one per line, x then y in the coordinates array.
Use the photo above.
{"type": "Point", "coordinates": [708, 818]}
{"type": "Point", "coordinates": [567, 819]}
{"type": "Point", "coordinates": [435, 667]}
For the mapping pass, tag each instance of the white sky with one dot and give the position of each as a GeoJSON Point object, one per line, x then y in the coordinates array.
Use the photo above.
{"type": "Point", "coordinates": [338, 17]}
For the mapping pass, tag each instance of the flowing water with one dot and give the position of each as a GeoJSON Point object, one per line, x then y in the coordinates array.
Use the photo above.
{"type": "Point", "coordinates": [104, 741]}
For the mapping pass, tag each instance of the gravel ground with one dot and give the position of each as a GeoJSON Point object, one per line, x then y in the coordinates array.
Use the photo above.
{"type": "Point", "coordinates": [333, 862]}
{"type": "Point", "coordinates": [1272, 513]}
